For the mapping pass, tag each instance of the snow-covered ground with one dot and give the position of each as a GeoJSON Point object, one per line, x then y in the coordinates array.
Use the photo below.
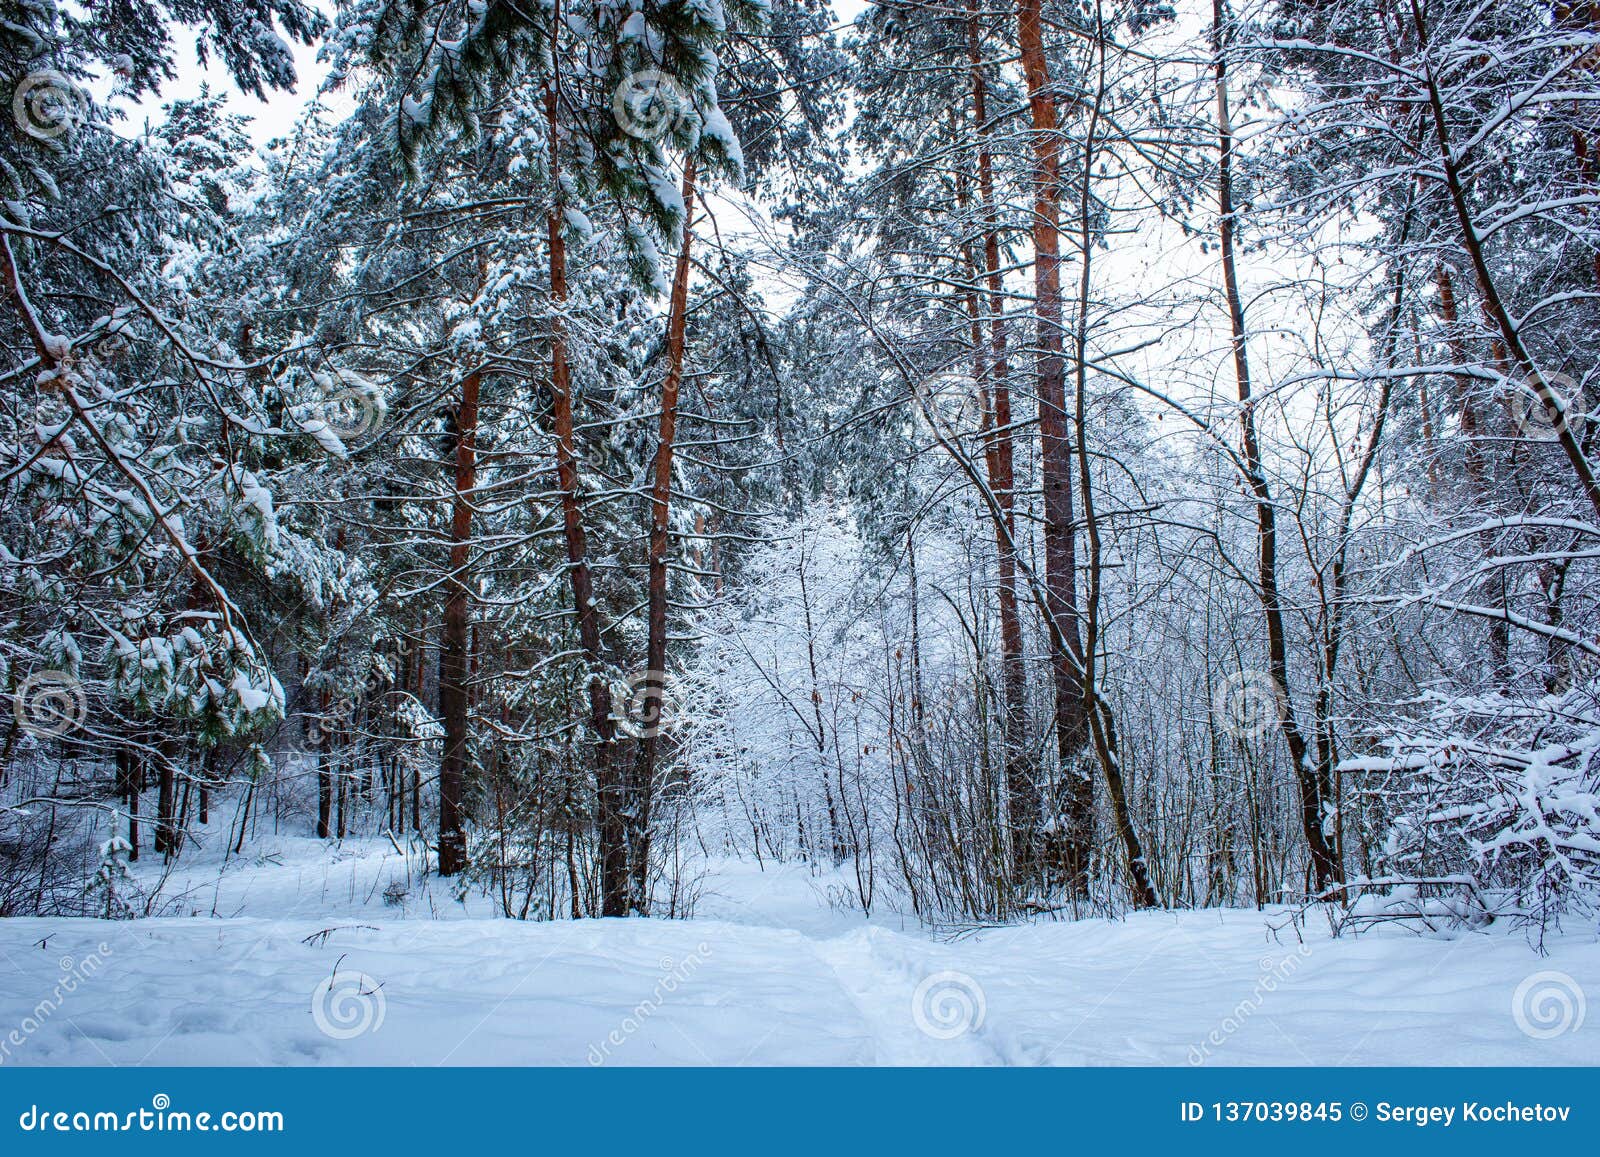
{"type": "Point", "coordinates": [295, 957]}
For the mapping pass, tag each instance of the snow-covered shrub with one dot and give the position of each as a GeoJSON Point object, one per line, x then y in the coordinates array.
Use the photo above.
{"type": "Point", "coordinates": [1502, 789]}
{"type": "Point", "coordinates": [45, 855]}
{"type": "Point", "coordinates": [113, 885]}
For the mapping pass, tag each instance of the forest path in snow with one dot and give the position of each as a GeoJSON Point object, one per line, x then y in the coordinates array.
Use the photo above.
{"type": "Point", "coordinates": [915, 1012]}
{"type": "Point", "coordinates": [303, 962]}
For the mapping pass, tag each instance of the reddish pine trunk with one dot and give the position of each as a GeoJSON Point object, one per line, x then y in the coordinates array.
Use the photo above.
{"type": "Point", "coordinates": [1066, 851]}
{"type": "Point", "coordinates": [166, 841]}
{"type": "Point", "coordinates": [454, 640]}
{"type": "Point", "coordinates": [660, 544]}
{"type": "Point", "coordinates": [1494, 593]}
{"type": "Point", "coordinates": [1022, 788]}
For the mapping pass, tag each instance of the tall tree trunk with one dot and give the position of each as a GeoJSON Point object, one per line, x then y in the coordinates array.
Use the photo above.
{"type": "Point", "coordinates": [324, 770]}
{"type": "Point", "coordinates": [1071, 838]}
{"type": "Point", "coordinates": [1315, 791]}
{"type": "Point", "coordinates": [1021, 774]}
{"type": "Point", "coordinates": [419, 685]}
{"type": "Point", "coordinates": [342, 784]}
{"type": "Point", "coordinates": [455, 639]}
{"type": "Point", "coordinates": [166, 841]}
{"type": "Point", "coordinates": [1477, 471]}
{"type": "Point", "coordinates": [244, 817]}
{"type": "Point", "coordinates": [1102, 725]}
{"type": "Point", "coordinates": [655, 673]}
{"type": "Point", "coordinates": [168, 829]}
{"type": "Point", "coordinates": [611, 788]}
{"type": "Point", "coordinates": [129, 773]}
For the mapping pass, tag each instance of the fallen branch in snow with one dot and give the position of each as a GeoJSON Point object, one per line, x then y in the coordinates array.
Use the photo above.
{"type": "Point", "coordinates": [320, 939]}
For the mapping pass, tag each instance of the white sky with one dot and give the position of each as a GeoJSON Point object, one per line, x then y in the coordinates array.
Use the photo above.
{"type": "Point", "coordinates": [270, 118]}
